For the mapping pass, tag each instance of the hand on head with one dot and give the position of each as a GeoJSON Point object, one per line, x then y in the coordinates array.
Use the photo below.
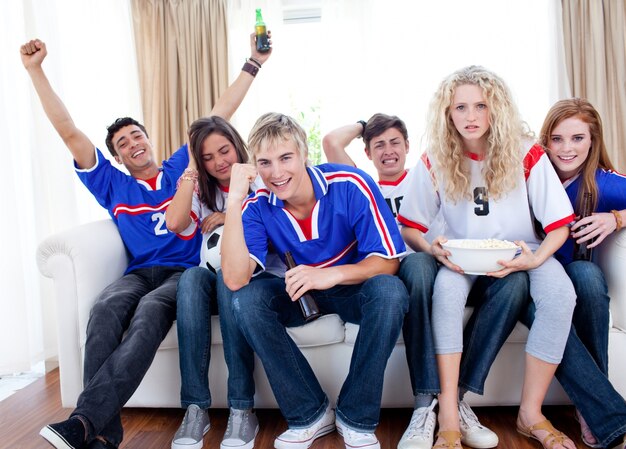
{"type": "Point", "coordinates": [33, 53]}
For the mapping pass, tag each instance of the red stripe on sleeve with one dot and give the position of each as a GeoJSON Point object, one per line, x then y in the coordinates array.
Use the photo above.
{"type": "Point", "coordinates": [557, 224]}
{"type": "Point", "coordinates": [531, 159]}
{"type": "Point", "coordinates": [411, 224]}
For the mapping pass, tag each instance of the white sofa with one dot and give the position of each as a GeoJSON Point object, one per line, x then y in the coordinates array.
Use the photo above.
{"type": "Point", "coordinates": [84, 260]}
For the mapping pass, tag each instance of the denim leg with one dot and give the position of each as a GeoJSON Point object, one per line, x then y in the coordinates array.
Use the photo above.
{"type": "Point", "coordinates": [378, 305]}
{"type": "Point", "coordinates": [591, 315]}
{"type": "Point", "coordinates": [588, 387]}
{"type": "Point", "coordinates": [194, 296]}
{"type": "Point", "coordinates": [262, 309]}
{"type": "Point", "coordinates": [498, 304]}
{"type": "Point", "coordinates": [418, 272]}
{"type": "Point", "coordinates": [238, 354]}
{"type": "Point", "coordinates": [118, 376]}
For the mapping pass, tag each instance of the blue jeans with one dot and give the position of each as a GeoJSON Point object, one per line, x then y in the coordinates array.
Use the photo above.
{"type": "Point", "coordinates": [583, 370]}
{"type": "Point", "coordinates": [195, 303]}
{"type": "Point", "coordinates": [263, 310]}
{"type": "Point", "coordinates": [418, 272]}
{"type": "Point", "coordinates": [142, 304]}
{"type": "Point", "coordinates": [498, 304]}
{"type": "Point", "coordinates": [238, 354]}
{"type": "Point", "coordinates": [591, 315]}
{"type": "Point", "coordinates": [589, 388]}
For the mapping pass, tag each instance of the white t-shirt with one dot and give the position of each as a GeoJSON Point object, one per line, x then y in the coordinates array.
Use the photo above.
{"type": "Point", "coordinates": [538, 194]}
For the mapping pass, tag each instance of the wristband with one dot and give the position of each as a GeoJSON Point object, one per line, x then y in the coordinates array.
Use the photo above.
{"type": "Point", "coordinates": [618, 219]}
{"type": "Point", "coordinates": [250, 68]}
{"type": "Point", "coordinates": [256, 61]}
{"type": "Point", "coordinates": [363, 124]}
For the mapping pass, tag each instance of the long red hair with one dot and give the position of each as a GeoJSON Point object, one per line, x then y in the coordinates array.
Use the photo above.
{"type": "Point", "coordinates": [597, 158]}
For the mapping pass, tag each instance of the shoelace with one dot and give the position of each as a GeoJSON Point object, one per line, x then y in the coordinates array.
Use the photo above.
{"type": "Point", "coordinates": [196, 422]}
{"type": "Point", "coordinates": [302, 434]}
{"type": "Point", "coordinates": [420, 425]}
{"type": "Point", "coordinates": [190, 416]}
{"type": "Point", "coordinates": [236, 415]}
{"type": "Point", "coordinates": [352, 434]}
{"type": "Point", "coordinates": [467, 416]}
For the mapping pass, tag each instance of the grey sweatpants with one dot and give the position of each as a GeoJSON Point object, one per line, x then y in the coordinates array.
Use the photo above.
{"type": "Point", "coordinates": [553, 295]}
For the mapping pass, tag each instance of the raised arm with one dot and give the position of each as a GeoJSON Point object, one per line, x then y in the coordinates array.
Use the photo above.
{"type": "Point", "coordinates": [237, 265]}
{"type": "Point", "coordinates": [33, 54]}
{"type": "Point", "coordinates": [232, 97]}
{"type": "Point", "coordinates": [177, 217]}
{"type": "Point", "coordinates": [336, 141]}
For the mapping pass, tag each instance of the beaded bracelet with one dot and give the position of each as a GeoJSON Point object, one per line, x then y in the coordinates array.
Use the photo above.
{"type": "Point", "coordinates": [190, 174]}
{"type": "Point", "coordinates": [618, 219]}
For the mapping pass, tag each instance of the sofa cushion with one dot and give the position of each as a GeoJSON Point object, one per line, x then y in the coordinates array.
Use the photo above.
{"type": "Point", "coordinates": [326, 330]}
{"type": "Point", "coordinates": [519, 334]}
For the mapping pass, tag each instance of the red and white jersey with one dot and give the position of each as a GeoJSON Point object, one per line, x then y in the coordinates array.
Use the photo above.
{"type": "Point", "coordinates": [394, 192]}
{"type": "Point", "coordinates": [538, 194]}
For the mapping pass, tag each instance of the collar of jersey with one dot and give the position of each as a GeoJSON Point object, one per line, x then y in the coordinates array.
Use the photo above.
{"type": "Point", "coordinates": [320, 186]}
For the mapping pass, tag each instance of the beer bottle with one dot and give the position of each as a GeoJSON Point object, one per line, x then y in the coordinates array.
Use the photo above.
{"type": "Point", "coordinates": [262, 42]}
{"type": "Point", "coordinates": [309, 308]}
{"type": "Point", "coordinates": [581, 250]}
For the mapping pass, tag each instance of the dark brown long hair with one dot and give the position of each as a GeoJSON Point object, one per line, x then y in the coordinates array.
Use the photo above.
{"type": "Point", "coordinates": [597, 157]}
{"type": "Point", "coordinates": [198, 132]}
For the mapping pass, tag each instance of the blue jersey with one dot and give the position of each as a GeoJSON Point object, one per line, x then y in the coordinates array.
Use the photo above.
{"type": "Point", "coordinates": [138, 210]}
{"type": "Point", "coordinates": [350, 221]}
{"type": "Point", "coordinates": [611, 196]}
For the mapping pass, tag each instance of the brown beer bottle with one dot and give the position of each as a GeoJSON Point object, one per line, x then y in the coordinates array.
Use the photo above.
{"type": "Point", "coordinates": [309, 308]}
{"type": "Point", "coordinates": [262, 42]}
{"type": "Point", "coordinates": [581, 250]}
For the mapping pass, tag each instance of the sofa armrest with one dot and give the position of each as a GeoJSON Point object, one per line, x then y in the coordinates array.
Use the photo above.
{"type": "Point", "coordinates": [81, 261]}
{"type": "Point", "coordinates": [612, 260]}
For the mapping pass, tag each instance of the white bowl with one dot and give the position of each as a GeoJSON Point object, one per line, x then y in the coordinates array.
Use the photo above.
{"type": "Point", "coordinates": [480, 256]}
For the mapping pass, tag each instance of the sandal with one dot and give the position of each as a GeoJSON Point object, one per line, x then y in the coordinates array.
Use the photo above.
{"type": "Point", "coordinates": [585, 432]}
{"type": "Point", "coordinates": [553, 438]}
{"type": "Point", "coordinates": [452, 440]}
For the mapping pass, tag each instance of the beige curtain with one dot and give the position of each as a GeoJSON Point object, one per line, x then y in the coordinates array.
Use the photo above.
{"type": "Point", "coordinates": [182, 58]}
{"type": "Point", "coordinates": [595, 47]}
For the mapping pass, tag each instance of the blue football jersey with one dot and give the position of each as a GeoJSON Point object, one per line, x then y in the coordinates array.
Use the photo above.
{"type": "Point", "coordinates": [138, 210]}
{"type": "Point", "coordinates": [350, 221]}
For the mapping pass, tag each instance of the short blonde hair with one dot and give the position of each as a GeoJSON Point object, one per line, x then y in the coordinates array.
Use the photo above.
{"type": "Point", "coordinates": [504, 137]}
{"type": "Point", "coordinates": [274, 127]}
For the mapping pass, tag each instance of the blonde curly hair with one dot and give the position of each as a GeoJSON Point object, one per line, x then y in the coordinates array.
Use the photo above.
{"type": "Point", "coordinates": [506, 132]}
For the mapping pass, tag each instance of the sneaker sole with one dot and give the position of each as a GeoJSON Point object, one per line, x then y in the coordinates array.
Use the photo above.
{"type": "Point", "coordinates": [197, 445]}
{"type": "Point", "coordinates": [248, 445]}
{"type": "Point", "coordinates": [348, 446]}
{"type": "Point", "coordinates": [481, 444]}
{"type": "Point", "coordinates": [56, 440]}
{"type": "Point", "coordinates": [307, 443]}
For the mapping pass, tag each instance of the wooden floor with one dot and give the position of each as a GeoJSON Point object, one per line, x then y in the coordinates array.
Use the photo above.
{"type": "Point", "coordinates": [23, 414]}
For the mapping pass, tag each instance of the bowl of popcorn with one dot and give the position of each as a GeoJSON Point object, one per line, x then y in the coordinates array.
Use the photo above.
{"type": "Point", "coordinates": [480, 256]}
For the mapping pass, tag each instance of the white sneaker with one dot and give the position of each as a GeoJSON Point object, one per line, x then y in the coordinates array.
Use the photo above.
{"type": "Point", "coordinates": [421, 431]}
{"type": "Point", "coordinates": [303, 438]}
{"type": "Point", "coordinates": [354, 439]}
{"type": "Point", "coordinates": [473, 433]}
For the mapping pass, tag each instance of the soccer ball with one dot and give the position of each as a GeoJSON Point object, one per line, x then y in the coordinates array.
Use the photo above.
{"type": "Point", "coordinates": [210, 253]}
